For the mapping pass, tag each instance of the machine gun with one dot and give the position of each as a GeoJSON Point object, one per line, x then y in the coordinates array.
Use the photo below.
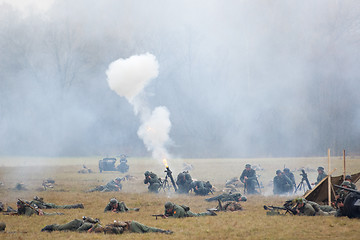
{"type": "Point", "coordinates": [287, 207]}
{"type": "Point", "coordinates": [304, 179]}
{"type": "Point", "coordinates": [169, 174]}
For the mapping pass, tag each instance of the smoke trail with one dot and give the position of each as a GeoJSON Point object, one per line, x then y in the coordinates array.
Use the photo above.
{"type": "Point", "coordinates": [128, 78]}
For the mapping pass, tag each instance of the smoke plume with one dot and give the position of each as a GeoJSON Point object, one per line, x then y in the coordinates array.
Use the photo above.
{"type": "Point", "coordinates": [128, 78]}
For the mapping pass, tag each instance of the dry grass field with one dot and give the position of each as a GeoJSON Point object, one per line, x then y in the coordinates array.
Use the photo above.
{"type": "Point", "coordinates": [251, 223]}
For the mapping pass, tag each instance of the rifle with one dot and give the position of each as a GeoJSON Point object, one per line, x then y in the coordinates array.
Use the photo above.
{"type": "Point", "coordinates": [158, 215]}
{"type": "Point", "coordinates": [11, 213]}
{"type": "Point", "coordinates": [38, 211]}
{"type": "Point", "coordinates": [288, 210]}
{"type": "Point", "coordinates": [347, 189]}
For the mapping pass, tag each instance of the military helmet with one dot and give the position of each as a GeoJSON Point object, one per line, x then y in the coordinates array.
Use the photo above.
{"type": "Point", "coordinates": [147, 173]}
{"type": "Point", "coordinates": [208, 184]}
{"type": "Point", "coordinates": [118, 179]}
{"type": "Point", "coordinates": [2, 226]}
{"type": "Point", "coordinates": [346, 183]}
{"type": "Point", "coordinates": [113, 201]}
{"type": "Point", "coordinates": [320, 169]}
{"type": "Point", "coordinates": [299, 200]}
{"type": "Point", "coordinates": [248, 166]}
{"type": "Point", "coordinates": [347, 177]}
{"type": "Point", "coordinates": [286, 170]}
{"type": "Point", "coordinates": [168, 205]}
{"type": "Point", "coordinates": [278, 171]}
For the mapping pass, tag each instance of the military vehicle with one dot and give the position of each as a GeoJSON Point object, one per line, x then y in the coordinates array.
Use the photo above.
{"type": "Point", "coordinates": [108, 164]}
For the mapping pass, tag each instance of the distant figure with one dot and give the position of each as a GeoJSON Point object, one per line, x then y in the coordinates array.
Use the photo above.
{"type": "Point", "coordinates": [180, 211]}
{"type": "Point", "coordinates": [20, 187]}
{"type": "Point", "coordinates": [115, 206]}
{"type": "Point", "coordinates": [153, 181]}
{"type": "Point", "coordinates": [184, 181]}
{"type": "Point", "coordinates": [321, 175]}
{"type": "Point", "coordinates": [290, 175]}
{"type": "Point", "coordinates": [237, 197]}
{"type": "Point", "coordinates": [39, 203]}
{"type": "Point", "coordinates": [233, 185]}
{"type": "Point", "coordinates": [248, 177]}
{"type": "Point", "coordinates": [352, 185]}
{"type": "Point", "coordinates": [282, 184]}
{"type": "Point", "coordinates": [201, 187]}
{"type": "Point", "coordinates": [85, 170]}
{"type": "Point", "coordinates": [112, 186]}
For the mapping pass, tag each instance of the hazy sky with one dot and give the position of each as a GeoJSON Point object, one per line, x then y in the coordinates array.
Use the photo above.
{"type": "Point", "coordinates": [238, 78]}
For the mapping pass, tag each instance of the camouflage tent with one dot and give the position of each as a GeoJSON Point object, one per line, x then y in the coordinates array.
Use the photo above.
{"type": "Point", "coordinates": [319, 193]}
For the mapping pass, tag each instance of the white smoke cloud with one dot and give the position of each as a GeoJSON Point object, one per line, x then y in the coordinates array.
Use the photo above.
{"type": "Point", "coordinates": [155, 132]}
{"type": "Point", "coordinates": [128, 78]}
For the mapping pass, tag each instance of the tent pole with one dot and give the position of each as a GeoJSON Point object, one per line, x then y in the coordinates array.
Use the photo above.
{"type": "Point", "coordinates": [329, 179]}
{"type": "Point", "coordinates": [344, 165]}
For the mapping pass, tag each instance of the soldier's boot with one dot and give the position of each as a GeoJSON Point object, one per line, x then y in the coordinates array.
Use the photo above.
{"type": "Point", "coordinates": [48, 228]}
{"type": "Point", "coordinates": [136, 209]}
{"type": "Point", "coordinates": [211, 212]}
{"type": "Point", "coordinates": [80, 205]}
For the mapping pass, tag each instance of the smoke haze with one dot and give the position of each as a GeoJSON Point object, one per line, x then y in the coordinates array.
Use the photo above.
{"type": "Point", "coordinates": [240, 78]}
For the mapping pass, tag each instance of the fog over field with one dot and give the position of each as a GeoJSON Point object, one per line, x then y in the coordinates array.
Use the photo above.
{"type": "Point", "coordinates": [235, 78]}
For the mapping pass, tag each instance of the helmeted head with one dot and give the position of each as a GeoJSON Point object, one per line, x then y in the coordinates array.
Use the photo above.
{"type": "Point", "coordinates": [147, 173]}
{"type": "Point", "coordinates": [169, 205]}
{"type": "Point", "coordinates": [278, 172]}
{"type": "Point", "coordinates": [208, 184]}
{"type": "Point", "coordinates": [299, 200]}
{"type": "Point", "coordinates": [346, 184]}
{"type": "Point", "coordinates": [347, 178]}
{"type": "Point", "coordinates": [118, 179]}
{"type": "Point", "coordinates": [248, 166]}
{"type": "Point", "coordinates": [286, 170]}
{"type": "Point", "coordinates": [113, 202]}
{"type": "Point", "coordinates": [20, 203]}
{"type": "Point", "coordinates": [320, 169]}
{"type": "Point", "coordinates": [181, 175]}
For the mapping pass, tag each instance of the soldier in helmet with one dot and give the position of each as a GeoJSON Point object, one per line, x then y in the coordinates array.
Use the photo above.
{"type": "Point", "coordinates": [352, 185]}
{"type": "Point", "coordinates": [341, 194]}
{"type": "Point", "coordinates": [119, 227]}
{"type": "Point", "coordinates": [282, 184]}
{"type": "Point", "coordinates": [115, 206]}
{"type": "Point", "coordinates": [248, 177]}
{"type": "Point", "coordinates": [153, 181]}
{"type": "Point", "coordinates": [39, 202]}
{"type": "Point", "coordinates": [78, 225]}
{"type": "Point", "coordinates": [24, 208]}
{"type": "Point", "coordinates": [290, 175]}
{"type": "Point", "coordinates": [184, 181]}
{"type": "Point", "coordinates": [321, 175]}
{"type": "Point", "coordinates": [201, 187]}
{"type": "Point", "coordinates": [112, 186]}
{"type": "Point", "coordinates": [179, 211]}
{"type": "Point", "coordinates": [89, 225]}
